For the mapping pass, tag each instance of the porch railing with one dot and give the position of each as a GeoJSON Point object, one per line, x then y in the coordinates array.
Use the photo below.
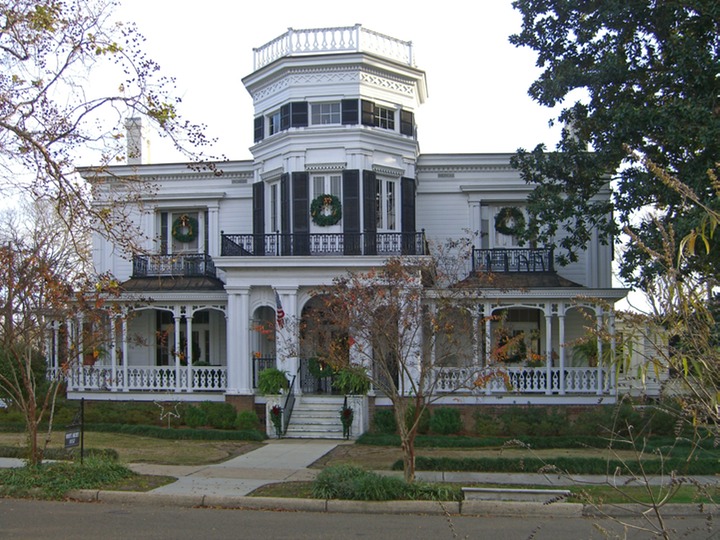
{"type": "Point", "coordinates": [187, 265]}
{"type": "Point", "coordinates": [319, 244]}
{"type": "Point", "coordinates": [146, 378]}
{"type": "Point", "coordinates": [525, 380]}
{"type": "Point", "coordinates": [513, 260]}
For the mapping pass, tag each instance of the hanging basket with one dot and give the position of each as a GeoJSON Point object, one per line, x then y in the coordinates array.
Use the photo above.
{"type": "Point", "coordinates": [326, 210]}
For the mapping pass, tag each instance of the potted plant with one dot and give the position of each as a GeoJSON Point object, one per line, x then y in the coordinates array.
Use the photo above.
{"type": "Point", "coordinates": [346, 417]}
{"type": "Point", "coordinates": [276, 419]}
{"type": "Point", "coordinates": [272, 381]}
{"type": "Point", "coordinates": [352, 380]}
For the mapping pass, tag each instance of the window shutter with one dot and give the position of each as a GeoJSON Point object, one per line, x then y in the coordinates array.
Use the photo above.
{"type": "Point", "coordinates": [368, 112]}
{"type": "Point", "coordinates": [259, 218]}
{"type": "Point", "coordinates": [351, 212]}
{"type": "Point", "coordinates": [259, 128]}
{"type": "Point", "coordinates": [285, 117]}
{"type": "Point", "coordinates": [349, 112]}
{"type": "Point", "coordinates": [407, 220]}
{"type": "Point", "coordinates": [301, 213]}
{"type": "Point", "coordinates": [407, 123]}
{"type": "Point", "coordinates": [285, 213]}
{"type": "Point", "coordinates": [370, 212]}
{"type": "Point", "coordinates": [299, 114]}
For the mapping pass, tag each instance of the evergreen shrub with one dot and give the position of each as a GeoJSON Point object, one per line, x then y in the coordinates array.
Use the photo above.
{"type": "Point", "coordinates": [446, 421]}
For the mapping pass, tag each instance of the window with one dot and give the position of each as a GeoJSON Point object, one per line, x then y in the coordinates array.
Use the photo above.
{"type": "Point", "coordinates": [325, 113]}
{"type": "Point", "coordinates": [386, 205]}
{"type": "Point", "coordinates": [327, 184]}
{"type": "Point", "coordinates": [384, 117]}
{"type": "Point", "coordinates": [182, 231]}
{"type": "Point", "coordinates": [274, 120]}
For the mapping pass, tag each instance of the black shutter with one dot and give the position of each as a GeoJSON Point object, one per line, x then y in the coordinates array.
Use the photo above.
{"type": "Point", "coordinates": [407, 123]}
{"type": "Point", "coordinates": [285, 214]}
{"type": "Point", "coordinates": [259, 128]}
{"type": "Point", "coordinates": [407, 219]}
{"type": "Point", "coordinates": [351, 212]}
{"type": "Point", "coordinates": [368, 112]}
{"type": "Point", "coordinates": [370, 212]}
{"type": "Point", "coordinates": [301, 213]}
{"type": "Point", "coordinates": [259, 218]}
{"type": "Point", "coordinates": [285, 117]}
{"type": "Point", "coordinates": [299, 114]}
{"type": "Point", "coordinates": [349, 112]}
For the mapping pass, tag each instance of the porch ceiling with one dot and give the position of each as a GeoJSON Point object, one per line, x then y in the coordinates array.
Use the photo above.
{"type": "Point", "coordinates": [172, 283]}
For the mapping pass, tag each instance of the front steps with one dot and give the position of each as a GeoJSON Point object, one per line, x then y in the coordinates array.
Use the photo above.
{"type": "Point", "coordinates": [316, 417]}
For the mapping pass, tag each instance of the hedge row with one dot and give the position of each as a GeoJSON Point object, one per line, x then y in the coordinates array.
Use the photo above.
{"type": "Point", "coordinates": [60, 453]}
{"type": "Point", "coordinates": [567, 465]}
{"type": "Point", "coordinates": [179, 433]}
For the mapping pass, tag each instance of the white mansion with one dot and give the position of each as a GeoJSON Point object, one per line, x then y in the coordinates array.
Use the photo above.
{"type": "Point", "coordinates": [334, 128]}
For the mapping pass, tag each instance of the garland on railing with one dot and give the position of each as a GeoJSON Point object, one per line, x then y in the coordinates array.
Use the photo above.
{"type": "Point", "coordinates": [326, 210]}
{"type": "Point", "coordinates": [510, 221]}
{"type": "Point", "coordinates": [185, 229]}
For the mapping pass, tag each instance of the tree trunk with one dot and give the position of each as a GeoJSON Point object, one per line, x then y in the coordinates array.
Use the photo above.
{"type": "Point", "coordinates": [408, 449]}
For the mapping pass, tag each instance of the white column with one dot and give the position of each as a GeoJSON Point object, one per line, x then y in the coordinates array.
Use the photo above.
{"type": "Point", "coordinates": [613, 349]}
{"type": "Point", "coordinates": [548, 350]}
{"type": "Point", "coordinates": [600, 384]}
{"type": "Point", "coordinates": [176, 319]}
{"type": "Point", "coordinates": [113, 352]}
{"type": "Point", "coordinates": [561, 352]}
{"type": "Point", "coordinates": [188, 348]}
{"type": "Point", "coordinates": [239, 359]}
{"type": "Point", "coordinates": [125, 352]}
{"type": "Point", "coordinates": [213, 247]}
{"type": "Point", "coordinates": [288, 338]}
{"type": "Point", "coordinates": [488, 342]}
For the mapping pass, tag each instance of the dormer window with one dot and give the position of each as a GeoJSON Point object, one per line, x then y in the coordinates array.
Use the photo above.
{"type": "Point", "coordinates": [325, 113]}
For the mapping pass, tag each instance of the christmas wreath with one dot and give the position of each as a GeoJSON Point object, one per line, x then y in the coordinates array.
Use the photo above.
{"type": "Point", "coordinates": [326, 210]}
{"type": "Point", "coordinates": [185, 229]}
{"type": "Point", "coordinates": [510, 221]}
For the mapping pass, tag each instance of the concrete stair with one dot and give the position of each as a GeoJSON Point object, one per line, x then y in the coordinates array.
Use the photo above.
{"type": "Point", "coordinates": [316, 417]}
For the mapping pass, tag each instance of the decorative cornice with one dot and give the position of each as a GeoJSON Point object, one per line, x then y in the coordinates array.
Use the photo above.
{"type": "Point", "coordinates": [325, 167]}
{"type": "Point", "coordinates": [271, 174]}
{"type": "Point", "coordinates": [388, 171]}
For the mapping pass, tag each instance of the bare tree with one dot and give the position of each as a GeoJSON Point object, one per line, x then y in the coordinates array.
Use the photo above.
{"type": "Point", "coordinates": [394, 325]}
{"type": "Point", "coordinates": [72, 76]}
{"type": "Point", "coordinates": [43, 281]}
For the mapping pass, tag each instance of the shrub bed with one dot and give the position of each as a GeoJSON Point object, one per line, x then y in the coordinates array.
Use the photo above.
{"type": "Point", "coordinates": [563, 464]}
{"type": "Point", "coordinates": [180, 433]}
{"type": "Point", "coordinates": [353, 483]}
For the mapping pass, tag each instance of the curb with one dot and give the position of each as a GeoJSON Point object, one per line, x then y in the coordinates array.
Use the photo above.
{"type": "Point", "coordinates": [463, 508]}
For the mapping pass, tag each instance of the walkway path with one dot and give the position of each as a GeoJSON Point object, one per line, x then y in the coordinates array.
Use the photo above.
{"type": "Point", "coordinates": [277, 461]}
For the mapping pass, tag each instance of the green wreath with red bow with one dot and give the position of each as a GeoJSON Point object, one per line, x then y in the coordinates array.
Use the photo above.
{"type": "Point", "coordinates": [326, 210]}
{"type": "Point", "coordinates": [185, 229]}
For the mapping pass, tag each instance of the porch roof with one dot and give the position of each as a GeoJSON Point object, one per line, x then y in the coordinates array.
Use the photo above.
{"type": "Point", "coordinates": [172, 283]}
{"type": "Point", "coordinates": [517, 280]}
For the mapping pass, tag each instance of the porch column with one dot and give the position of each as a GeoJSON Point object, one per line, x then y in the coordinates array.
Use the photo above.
{"type": "Point", "coordinates": [79, 378]}
{"type": "Point", "coordinates": [488, 343]}
{"type": "Point", "coordinates": [600, 377]}
{"type": "Point", "coordinates": [287, 336]}
{"type": "Point", "coordinates": [548, 351]}
{"type": "Point", "coordinates": [80, 339]}
{"type": "Point", "coordinates": [113, 352]}
{"type": "Point", "coordinates": [176, 319]}
{"type": "Point", "coordinates": [188, 348]}
{"type": "Point", "coordinates": [126, 382]}
{"type": "Point", "coordinates": [561, 352]}
{"type": "Point", "coordinates": [613, 346]}
{"type": "Point", "coordinates": [239, 361]}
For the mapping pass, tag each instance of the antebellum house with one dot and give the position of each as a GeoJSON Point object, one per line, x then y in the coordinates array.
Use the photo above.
{"type": "Point", "coordinates": [337, 183]}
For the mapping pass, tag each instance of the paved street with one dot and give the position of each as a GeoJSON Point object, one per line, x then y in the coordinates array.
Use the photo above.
{"type": "Point", "coordinates": [26, 520]}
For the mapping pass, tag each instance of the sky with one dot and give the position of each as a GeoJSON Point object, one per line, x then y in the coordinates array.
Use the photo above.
{"type": "Point", "coordinates": [477, 81]}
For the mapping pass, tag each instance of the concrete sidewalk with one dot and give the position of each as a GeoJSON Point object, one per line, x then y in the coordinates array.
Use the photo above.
{"type": "Point", "coordinates": [277, 461]}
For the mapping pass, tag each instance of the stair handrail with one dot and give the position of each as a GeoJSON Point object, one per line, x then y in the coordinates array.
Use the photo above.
{"type": "Point", "coordinates": [289, 405]}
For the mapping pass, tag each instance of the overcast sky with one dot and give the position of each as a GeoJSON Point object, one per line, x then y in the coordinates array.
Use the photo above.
{"type": "Point", "coordinates": [477, 81]}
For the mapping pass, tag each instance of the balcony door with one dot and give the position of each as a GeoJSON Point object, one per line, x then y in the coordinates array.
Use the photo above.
{"type": "Point", "coordinates": [182, 231]}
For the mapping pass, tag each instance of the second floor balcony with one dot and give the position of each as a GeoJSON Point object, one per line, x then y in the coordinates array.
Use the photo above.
{"type": "Point", "coordinates": [176, 265]}
{"type": "Point", "coordinates": [324, 244]}
{"type": "Point", "coordinates": [513, 260]}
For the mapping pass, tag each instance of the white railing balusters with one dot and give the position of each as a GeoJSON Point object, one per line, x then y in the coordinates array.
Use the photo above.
{"type": "Point", "coordinates": [147, 378]}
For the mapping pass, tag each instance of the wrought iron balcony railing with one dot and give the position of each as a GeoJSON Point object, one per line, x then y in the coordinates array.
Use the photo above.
{"type": "Point", "coordinates": [186, 265]}
{"type": "Point", "coordinates": [274, 245]}
{"type": "Point", "coordinates": [513, 260]}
